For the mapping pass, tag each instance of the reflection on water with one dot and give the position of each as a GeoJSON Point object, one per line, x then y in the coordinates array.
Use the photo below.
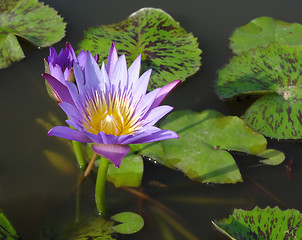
{"type": "Point", "coordinates": [33, 192]}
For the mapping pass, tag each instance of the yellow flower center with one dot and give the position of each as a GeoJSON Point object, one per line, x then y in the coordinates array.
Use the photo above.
{"type": "Point", "coordinates": [113, 115]}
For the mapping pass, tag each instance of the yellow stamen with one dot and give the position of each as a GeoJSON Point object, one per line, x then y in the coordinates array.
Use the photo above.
{"type": "Point", "coordinates": [114, 116]}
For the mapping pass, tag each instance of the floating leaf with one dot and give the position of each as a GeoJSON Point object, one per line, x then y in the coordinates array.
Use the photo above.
{"type": "Point", "coordinates": [165, 47]}
{"type": "Point", "coordinates": [31, 20]}
{"type": "Point", "coordinates": [272, 157]}
{"type": "Point", "coordinates": [129, 174]}
{"type": "Point", "coordinates": [7, 231]}
{"type": "Point", "coordinates": [263, 31]}
{"type": "Point", "coordinates": [200, 152]}
{"type": "Point", "coordinates": [262, 224]}
{"type": "Point", "coordinates": [276, 71]}
{"type": "Point", "coordinates": [130, 222]}
{"type": "Point", "coordinates": [97, 228]}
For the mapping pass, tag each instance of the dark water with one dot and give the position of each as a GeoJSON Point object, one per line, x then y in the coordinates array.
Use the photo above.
{"type": "Point", "coordinates": [33, 192]}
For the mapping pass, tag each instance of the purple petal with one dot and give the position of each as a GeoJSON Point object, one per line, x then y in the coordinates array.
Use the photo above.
{"type": "Point", "coordinates": [69, 133]}
{"type": "Point", "coordinates": [151, 134]}
{"type": "Point", "coordinates": [56, 72]}
{"type": "Point", "coordinates": [119, 77]}
{"type": "Point", "coordinates": [78, 75]}
{"type": "Point", "coordinates": [60, 89]}
{"type": "Point", "coordinates": [164, 92]}
{"type": "Point", "coordinates": [156, 113]}
{"type": "Point", "coordinates": [141, 85]}
{"type": "Point", "coordinates": [92, 72]}
{"type": "Point", "coordinates": [71, 112]}
{"type": "Point", "coordinates": [134, 69]}
{"type": "Point", "coordinates": [81, 59]}
{"type": "Point", "coordinates": [103, 138]}
{"type": "Point", "coordinates": [112, 59]}
{"type": "Point", "coordinates": [145, 103]}
{"type": "Point", "coordinates": [114, 152]}
{"type": "Point", "coordinates": [71, 51]}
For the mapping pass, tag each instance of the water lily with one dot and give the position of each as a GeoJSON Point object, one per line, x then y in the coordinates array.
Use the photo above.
{"type": "Point", "coordinates": [60, 65]}
{"type": "Point", "coordinates": [110, 106]}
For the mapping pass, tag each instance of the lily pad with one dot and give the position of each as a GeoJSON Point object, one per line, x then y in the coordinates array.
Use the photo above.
{"type": "Point", "coordinates": [275, 71]}
{"type": "Point", "coordinates": [263, 31]}
{"type": "Point", "coordinates": [165, 46]}
{"type": "Point", "coordinates": [28, 19]}
{"type": "Point", "coordinates": [7, 231]}
{"type": "Point", "coordinates": [262, 224]}
{"type": "Point", "coordinates": [201, 151]}
{"type": "Point", "coordinates": [129, 174]}
{"type": "Point", "coordinates": [272, 157]}
{"type": "Point", "coordinates": [129, 222]}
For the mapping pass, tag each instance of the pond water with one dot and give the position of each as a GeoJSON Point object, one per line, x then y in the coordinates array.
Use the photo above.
{"type": "Point", "coordinates": [35, 195]}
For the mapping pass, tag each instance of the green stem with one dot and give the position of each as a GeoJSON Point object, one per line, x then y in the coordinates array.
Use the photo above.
{"type": "Point", "coordinates": [100, 186]}
{"type": "Point", "coordinates": [79, 154]}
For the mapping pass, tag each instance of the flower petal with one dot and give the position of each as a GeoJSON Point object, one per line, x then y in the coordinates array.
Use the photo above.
{"type": "Point", "coordinates": [156, 113]}
{"type": "Point", "coordinates": [69, 133]}
{"type": "Point", "coordinates": [164, 91]}
{"type": "Point", "coordinates": [134, 70]}
{"type": "Point", "coordinates": [60, 89]}
{"type": "Point", "coordinates": [151, 134]}
{"type": "Point", "coordinates": [114, 152]}
{"type": "Point", "coordinates": [92, 72]}
{"type": "Point", "coordinates": [112, 59]}
{"type": "Point", "coordinates": [119, 77]}
{"type": "Point", "coordinates": [141, 85]}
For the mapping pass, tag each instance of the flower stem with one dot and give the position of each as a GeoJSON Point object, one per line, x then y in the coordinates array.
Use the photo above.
{"type": "Point", "coordinates": [100, 186]}
{"type": "Point", "coordinates": [79, 154]}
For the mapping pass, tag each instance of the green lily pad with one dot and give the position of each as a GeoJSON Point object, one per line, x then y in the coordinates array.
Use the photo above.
{"type": "Point", "coordinates": [275, 71]}
{"type": "Point", "coordinates": [165, 46]}
{"type": "Point", "coordinates": [28, 19]}
{"type": "Point", "coordinates": [7, 231]}
{"type": "Point", "coordinates": [97, 228]}
{"type": "Point", "coordinates": [262, 224]}
{"type": "Point", "coordinates": [272, 157]}
{"type": "Point", "coordinates": [276, 117]}
{"type": "Point", "coordinates": [129, 174]}
{"type": "Point", "coordinates": [263, 31]}
{"type": "Point", "coordinates": [201, 151]}
{"type": "Point", "coordinates": [130, 222]}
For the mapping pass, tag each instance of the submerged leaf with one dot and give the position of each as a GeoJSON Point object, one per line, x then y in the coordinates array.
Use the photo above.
{"type": "Point", "coordinates": [28, 19]}
{"type": "Point", "coordinates": [276, 71]}
{"type": "Point", "coordinates": [60, 162]}
{"type": "Point", "coordinates": [97, 228]}
{"type": "Point", "coordinates": [200, 152]}
{"type": "Point", "coordinates": [130, 222]}
{"type": "Point", "coordinates": [262, 224]}
{"type": "Point", "coordinates": [263, 31]}
{"type": "Point", "coordinates": [7, 231]}
{"type": "Point", "coordinates": [165, 47]}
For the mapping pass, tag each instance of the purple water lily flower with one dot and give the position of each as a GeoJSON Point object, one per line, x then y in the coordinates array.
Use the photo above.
{"type": "Point", "coordinates": [60, 65]}
{"type": "Point", "coordinates": [110, 107]}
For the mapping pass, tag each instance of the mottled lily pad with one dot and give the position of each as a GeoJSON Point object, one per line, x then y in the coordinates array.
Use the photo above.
{"type": "Point", "coordinates": [201, 151]}
{"type": "Point", "coordinates": [275, 71]}
{"type": "Point", "coordinates": [262, 224]}
{"type": "Point", "coordinates": [28, 19]}
{"type": "Point", "coordinates": [7, 231]}
{"type": "Point", "coordinates": [263, 31]}
{"type": "Point", "coordinates": [129, 222]}
{"type": "Point", "coordinates": [165, 46]}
